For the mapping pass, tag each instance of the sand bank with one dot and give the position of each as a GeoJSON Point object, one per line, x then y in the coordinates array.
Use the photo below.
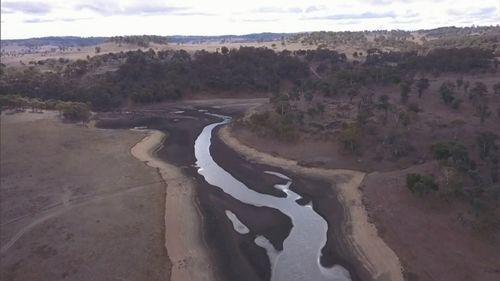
{"type": "Point", "coordinates": [183, 239]}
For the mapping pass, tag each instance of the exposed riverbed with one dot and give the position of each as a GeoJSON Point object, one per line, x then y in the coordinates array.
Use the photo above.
{"type": "Point", "coordinates": [300, 257]}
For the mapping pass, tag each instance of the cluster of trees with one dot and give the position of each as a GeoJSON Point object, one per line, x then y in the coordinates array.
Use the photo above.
{"type": "Point", "coordinates": [156, 76]}
{"type": "Point", "coordinates": [478, 183]}
{"type": "Point", "coordinates": [485, 37]}
{"type": "Point", "coordinates": [149, 76]}
{"type": "Point", "coordinates": [71, 111]}
{"type": "Point", "coordinates": [169, 75]}
{"type": "Point", "coordinates": [464, 60]}
{"type": "Point", "coordinates": [139, 40]}
{"type": "Point", "coordinates": [475, 183]}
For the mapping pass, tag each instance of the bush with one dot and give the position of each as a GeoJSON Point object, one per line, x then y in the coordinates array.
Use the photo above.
{"type": "Point", "coordinates": [420, 184]}
{"type": "Point", "coordinates": [455, 153]}
{"type": "Point", "coordinates": [76, 111]}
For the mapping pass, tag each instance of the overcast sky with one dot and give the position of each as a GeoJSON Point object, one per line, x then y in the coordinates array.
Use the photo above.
{"type": "Point", "coordinates": [32, 18]}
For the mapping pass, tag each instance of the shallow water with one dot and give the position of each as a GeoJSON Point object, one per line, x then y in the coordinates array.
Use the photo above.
{"type": "Point", "coordinates": [300, 257]}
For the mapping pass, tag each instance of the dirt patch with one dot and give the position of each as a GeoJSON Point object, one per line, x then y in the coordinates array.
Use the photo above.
{"type": "Point", "coordinates": [429, 238]}
{"type": "Point", "coordinates": [76, 205]}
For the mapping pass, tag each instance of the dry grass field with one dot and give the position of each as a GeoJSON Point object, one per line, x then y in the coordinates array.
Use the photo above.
{"type": "Point", "coordinates": [76, 205]}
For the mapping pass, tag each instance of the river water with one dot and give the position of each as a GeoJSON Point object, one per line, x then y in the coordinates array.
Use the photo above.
{"type": "Point", "coordinates": [300, 258]}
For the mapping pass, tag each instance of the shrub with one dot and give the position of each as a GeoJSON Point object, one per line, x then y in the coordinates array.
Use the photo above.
{"type": "Point", "coordinates": [456, 154]}
{"type": "Point", "coordinates": [420, 184]}
{"type": "Point", "coordinates": [76, 111]}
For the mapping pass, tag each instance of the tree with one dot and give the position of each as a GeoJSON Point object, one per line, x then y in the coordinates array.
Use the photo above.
{"type": "Point", "coordinates": [478, 92]}
{"type": "Point", "coordinates": [224, 50]}
{"type": "Point", "coordinates": [453, 154]}
{"type": "Point", "coordinates": [483, 111]}
{"type": "Point", "coordinates": [352, 93]}
{"type": "Point", "coordinates": [405, 90]}
{"type": "Point", "coordinates": [384, 104]}
{"type": "Point", "coordinates": [420, 184]}
{"type": "Point", "coordinates": [281, 104]}
{"type": "Point", "coordinates": [447, 92]}
{"type": "Point", "coordinates": [486, 141]}
{"type": "Point", "coordinates": [294, 94]}
{"type": "Point", "coordinates": [422, 86]}
{"type": "Point", "coordinates": [76, 111]}
{"type": "Point", "coordinates": [350, 137]}
{"type": "Point", "coordinates": [308, 95]}
{"type": "Point", "coordinates": [404, 118]}
{"type": "Point", "coordinates": [97, 49]}
{"type": "Point", "coordinates": [496, 88]}
{"type": "Point", "coordinates": [466, 87]}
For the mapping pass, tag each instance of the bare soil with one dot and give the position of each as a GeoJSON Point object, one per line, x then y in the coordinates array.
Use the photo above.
{"type": "Point", "coordinates": [76, 205]}
{"type": "Point", "coordinates": [432, 243]}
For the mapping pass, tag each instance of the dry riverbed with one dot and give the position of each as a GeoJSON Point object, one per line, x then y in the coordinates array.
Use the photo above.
{"type": "Point", "coordinates": [376, 257]}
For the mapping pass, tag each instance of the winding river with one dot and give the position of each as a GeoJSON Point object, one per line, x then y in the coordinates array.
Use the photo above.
{"type": "Point", "coordinates": [300, 257]}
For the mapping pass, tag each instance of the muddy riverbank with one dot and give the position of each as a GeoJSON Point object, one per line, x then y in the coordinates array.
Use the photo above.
{"type": "Point", "coordinates": [236, 256]}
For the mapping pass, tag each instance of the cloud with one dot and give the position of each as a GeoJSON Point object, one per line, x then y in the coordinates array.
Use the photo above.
{"type": "Point", "coordinates": [390, 2]}
{"type": "Point", "coordinates": [39, 20]}
{"type": "Point", "coordinates": [260, 20]}
{"type": "Point", "coordinates": [312, 9]}
{"type": "Point", "coordinates": [483, 12]}
{"type": "Point", "coordinates": [406, 21]}
{"type": "Point", "coordinates": [277, 10]}
{"type": "Point", "coordinates": [110, 9]}
{"type": "Point", "coordinates": [25, 7]}
{"type": "Point", "coordinates": [366, 15]}
{"type": "Point", "coordinates": [381, 2]}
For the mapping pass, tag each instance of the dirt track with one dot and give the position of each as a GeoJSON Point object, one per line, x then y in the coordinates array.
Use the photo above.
{"type": "Point", "coordinates": [75, 204]}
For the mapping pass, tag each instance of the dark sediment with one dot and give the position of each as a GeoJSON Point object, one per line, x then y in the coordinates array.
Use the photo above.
{"type": "Point", "coordinates": [322, 195]}
{"type": "Point", "coordinates": [237, 256]}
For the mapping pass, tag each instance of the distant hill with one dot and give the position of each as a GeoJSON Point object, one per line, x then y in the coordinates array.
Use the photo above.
{"type": "Point", "coordinates": [487, 37]}
{"type": "Point", "coordinates": [64, 41]}
{"type": "Point", "coordinates": [74, 41]}
{"type": "Point", "coordinates": [254, 37]}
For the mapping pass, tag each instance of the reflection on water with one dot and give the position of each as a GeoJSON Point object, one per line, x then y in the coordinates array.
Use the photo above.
{"type": "Point", "coordinates": [299, 259]}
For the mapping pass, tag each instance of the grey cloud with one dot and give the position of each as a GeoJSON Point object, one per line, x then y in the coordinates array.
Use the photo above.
{"type": "Point", "coordinates": [381, 2]}
{"type": "Point", "coordinates": [260, 20]}
{"type": "Point", "coordinates": [25, 7]}
{"type": "Point", "coordinates": [406, 21]}
{"type": "Point", "coordinates": [312, 9]}
{"type": "Point", "coordinates": [483, 12]}
{"type": "Point", "coordinates": [111, 8]}
{"type": "Point", "coordinates": [194, 14]}
{"type": "Point", "coordinates": [39, 20]}
{"type": "Point", "coordinates": [277, 10]}
{"type": "Point", "coordinates": [366, 15]}
{"type": "Point", "coordinates": [388, 2]}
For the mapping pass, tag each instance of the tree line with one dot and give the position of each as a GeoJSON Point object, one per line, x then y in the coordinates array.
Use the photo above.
{"type": "Point", "coordinates": [149, 76]}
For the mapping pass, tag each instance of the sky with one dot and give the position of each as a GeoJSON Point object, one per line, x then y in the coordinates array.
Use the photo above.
{"type": "Point", "coordinates": [33, 18]}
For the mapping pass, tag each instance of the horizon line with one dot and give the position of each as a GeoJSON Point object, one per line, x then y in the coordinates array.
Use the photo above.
{"type": "Point", "coordinates": [253, 33]}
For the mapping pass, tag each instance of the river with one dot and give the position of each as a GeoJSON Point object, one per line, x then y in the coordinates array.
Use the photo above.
{"type": "Point", "coordinates": [300, 257]}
